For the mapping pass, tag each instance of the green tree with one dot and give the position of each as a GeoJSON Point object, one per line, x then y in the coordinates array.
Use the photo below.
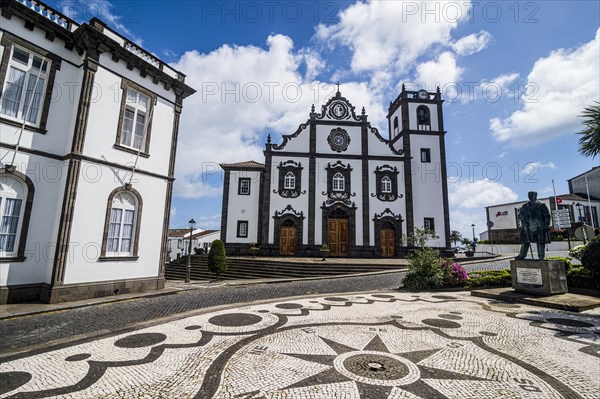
{"type": "Point", "coordinates": [420, 237]}
{"type": "Point", "coordinates": [217, 260]}
{"type": "Point", "coordinates": [455, 236]}
{"type": "Point", "coordinates": [589, 142]}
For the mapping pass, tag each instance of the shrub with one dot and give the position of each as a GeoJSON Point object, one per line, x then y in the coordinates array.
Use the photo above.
{"type": "Point", "coordinates": [489, 278]}
{"type": "Point", "coordinates": [217, 260]}
{"type": "Point", "coordinates": [458, 275]}
{"type": "Point", "coordinates": [577, 252]}
{"type": "Point", "coordinates": [580, 277]}
{"type": "Point", "coordinates": [568, 261]}
{"type": "Point", "coordinates": [425, 270]}
{"type": "Point", "coordinates": [590, 259]}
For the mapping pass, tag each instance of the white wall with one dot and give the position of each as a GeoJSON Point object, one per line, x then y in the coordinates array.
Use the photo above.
{"type": "Point", "coordinates": [299, 143]}
{"type": "Point", "coordinates": [88, 227]}
{"type": "Point", "coordinates": [412, 116]}
{"type": "Point", "coordinates": [279, 203]}
{"type": "Point", "coordinates": [48, 177]}
{"type": "Point", "coordinates": [103, 124]}
{"type": "Point", "coordinates": [427, 185]}
{"type": "Point", "coordinates": [354, 132]}
{"type": "Point", "coordinates": [243, 207]}
{"type": "Point", "coordinates": [376, 206]}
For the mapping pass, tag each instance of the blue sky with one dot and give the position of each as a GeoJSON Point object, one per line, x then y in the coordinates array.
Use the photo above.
{"type": "Point", "coordinates": [515, 76]}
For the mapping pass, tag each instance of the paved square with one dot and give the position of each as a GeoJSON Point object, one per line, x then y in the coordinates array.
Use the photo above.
{"type": "Point", "coordinates": [365, 345]}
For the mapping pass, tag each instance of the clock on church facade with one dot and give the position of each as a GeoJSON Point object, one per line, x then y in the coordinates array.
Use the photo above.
{"type": "Point", "coordinates": [337, 181]}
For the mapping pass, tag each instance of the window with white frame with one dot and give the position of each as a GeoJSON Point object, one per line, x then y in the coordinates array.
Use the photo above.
{"type": "Point", "coordinates": [24, 86]}
{"type": "Point", "coordinates": [121, 227]}
{"type": "Point", "coordinates": [338, 182]}
{"type": "Point", "coordinates": [244, 186]}
{"type": "Point", "coordinates": [135, 119]}
{"type": "Point", "coordinates": [289, 182]}
{"type": "Point", "coordinates": [386, 185]}
{"type": "Point", "coordinates": [12, 200]}
{"type": "Point", "coordinates": [242, 229]}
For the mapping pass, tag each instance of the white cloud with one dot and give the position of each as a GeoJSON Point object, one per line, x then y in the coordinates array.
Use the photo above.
{"type": "Point", "coordinates": [210, 222]}
{"type": "Point", "coordinates": [390, 35]}
{"type": "Point", "coordinates": [478, 193]}
{"type": "Point", "coordinates": [439, 72]}
{"type": "Point", "coordinates": [534, 167]}
{"type": "Point", "coordinates": [468, 200]}
{"type": "Point", "coordinates": [472, 43]}
{"type": "Point", "coordinates": [559, 86]}
{"type": "Point", "coordinates": [243, 91]}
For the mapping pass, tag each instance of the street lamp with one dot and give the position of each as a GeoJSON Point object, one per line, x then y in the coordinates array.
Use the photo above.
{"type": "Point", "coordinates": [578, 206]}
{"type": "Point", "coordinates": [473, 227]}
{"type": "Point", "coordinates": [192, 224]}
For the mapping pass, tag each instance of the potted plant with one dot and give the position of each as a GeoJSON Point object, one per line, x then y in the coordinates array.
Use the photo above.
{"type": "Point", "coordinates": [254, 249]}
{"type": "Point", "coordinates": [470, 252]}
{"type": "Point", "coordinates": [324, 250]}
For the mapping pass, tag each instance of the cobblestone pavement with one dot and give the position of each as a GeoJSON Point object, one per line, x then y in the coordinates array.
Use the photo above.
{"type": "Point", "coordinates": [40, 329]}
{"type": "Point", "coordinates": [374, 344]}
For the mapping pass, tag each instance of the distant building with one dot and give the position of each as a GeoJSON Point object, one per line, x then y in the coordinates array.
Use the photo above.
{"type": "Point", "coordinates": [175, 245]}
{"type": "Point", "coordinates": [505, 217]}
{"type": "Point", "coordinates": [577, 185]}
{"type": "Point", "coordinates": [179, 241]}
{"type": "Point", "coordinates": [89, 124]}
{"type": "Point", "coordinates": [336, 180]}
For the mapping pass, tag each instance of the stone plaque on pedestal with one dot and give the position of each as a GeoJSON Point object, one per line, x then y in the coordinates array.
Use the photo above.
{"type": "Point", "coordinates": [543, 277]}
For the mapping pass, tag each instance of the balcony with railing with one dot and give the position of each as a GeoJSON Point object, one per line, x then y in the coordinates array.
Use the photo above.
{"type": "Point", "coordinates": [65, 22]}
{"type": "Point", "coordinates": [50, 13]}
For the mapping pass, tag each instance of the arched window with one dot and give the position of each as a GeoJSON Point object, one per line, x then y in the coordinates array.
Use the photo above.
{"type": "Point", "coordinates": [386, 185]}
{"type": "Point", "coordinates": [423, 119]}
{"type": "Point", "coordinates": [396, 129]}
{"type": "Point", "coordinates": [122, 224]}
{"type": "Point", "coordinates": [13, 195]}
{"type": "Point", "coordinates": [338, 182]}
{"type": "Point", "coordinates": [289, 181]}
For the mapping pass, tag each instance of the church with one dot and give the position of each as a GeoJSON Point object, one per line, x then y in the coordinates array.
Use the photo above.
{"type": "Point", "coordinates": [337, 181]}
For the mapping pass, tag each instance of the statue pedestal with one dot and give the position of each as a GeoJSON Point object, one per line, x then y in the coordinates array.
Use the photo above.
{"type": "Point", "coordinates": [542, 277]}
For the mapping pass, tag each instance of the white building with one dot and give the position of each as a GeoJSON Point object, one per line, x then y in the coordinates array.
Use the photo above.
{"type": "Point", "coordinates": [77, 221]}
{"type": "Point", "coordinates": [179, 242]}
{"type": "Point", "coordinates": [337, 181]}
{"type": "Point", "coordinates": [505, 217]}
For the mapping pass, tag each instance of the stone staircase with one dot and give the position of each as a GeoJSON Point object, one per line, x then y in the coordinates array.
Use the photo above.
{"type": "Point", "coordinates": [260, 268]}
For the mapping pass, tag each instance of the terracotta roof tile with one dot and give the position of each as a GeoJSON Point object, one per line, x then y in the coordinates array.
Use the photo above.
{"type": "Point", "coordinates": [245, 164]}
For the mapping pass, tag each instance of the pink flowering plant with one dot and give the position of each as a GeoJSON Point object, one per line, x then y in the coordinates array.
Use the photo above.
{"type": "Point", "coordinates": [454, 273]}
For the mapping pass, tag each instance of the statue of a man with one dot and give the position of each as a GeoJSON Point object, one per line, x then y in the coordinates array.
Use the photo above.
{"type": "Point", "coordinates": [535, 223]}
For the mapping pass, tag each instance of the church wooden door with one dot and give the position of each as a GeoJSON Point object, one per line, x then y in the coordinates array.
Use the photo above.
{"type": "Point", "coordinates": [387, 237]}
{"type": "Point", "coordinates": [338, 237]}
{"type": "Point", "coordinates": [287, 240]}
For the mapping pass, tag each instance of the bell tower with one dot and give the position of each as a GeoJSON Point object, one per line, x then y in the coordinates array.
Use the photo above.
{"type": "Point", "coordinates": [416, 126]}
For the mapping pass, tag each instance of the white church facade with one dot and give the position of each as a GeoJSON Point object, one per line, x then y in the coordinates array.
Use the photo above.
{"type": "Point", "coordinates": [337, 181]}
{"type": "Point", "coordinates": [88, 124]}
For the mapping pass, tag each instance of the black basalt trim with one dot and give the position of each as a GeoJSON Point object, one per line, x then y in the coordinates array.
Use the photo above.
{"type": "Point", "coordinates": [90, 67]}
{"type": "Point", "coordinates": [365, 182]}
{"type": "Point", "coordinates": [65, 224]}
{"type": "Point", "coordinates": [225, 204]}
{"type": "Point", "coordinates": [446, 204]}
{"type": "Point", "coordinates": [410, 224]}
{"type": "Point", "coordinates": [286, 138]}
{"type": "Point", "coordinates": [312, 180]}
{"type": "Point", "coordinates": [20, 256]}
{"type": "Point", "coordinates": [265, 205]}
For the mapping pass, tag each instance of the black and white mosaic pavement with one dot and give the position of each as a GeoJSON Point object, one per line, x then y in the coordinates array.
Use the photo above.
{"type": "Point", "coordinates": [368, 345]}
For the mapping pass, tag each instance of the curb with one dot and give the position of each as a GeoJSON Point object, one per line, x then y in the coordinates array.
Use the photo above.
{"type": "Point", "coordinates": [173, 291]}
